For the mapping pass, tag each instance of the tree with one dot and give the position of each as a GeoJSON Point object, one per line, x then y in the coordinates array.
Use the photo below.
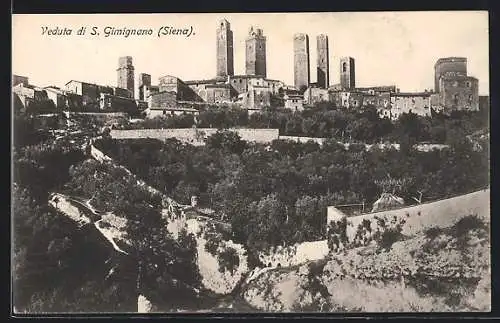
{"type": "Point", "coordinates": [226, 140]}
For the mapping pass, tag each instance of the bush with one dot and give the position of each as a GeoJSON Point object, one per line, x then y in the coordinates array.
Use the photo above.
{"type": "Point", "coordinates": [211, 247]}
{"type": "Point", "coordinates": [389, 237]}
{"type": "Point", "coordinates": [433, 232]}
{"type": "Point", "coordinates": [229, 260]}
{"type": "Point", "coordinates": [466, 224]}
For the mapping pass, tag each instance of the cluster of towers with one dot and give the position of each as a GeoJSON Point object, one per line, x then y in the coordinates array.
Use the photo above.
{"type": "Point", "coordinates": [255, 46]}
{"type": "Point", "coordinates": [302, 63]}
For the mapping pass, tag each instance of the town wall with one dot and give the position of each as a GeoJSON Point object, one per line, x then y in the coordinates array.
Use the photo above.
{"type": "Point", "coordinates": [440, 213]}
{"type": "Point", "coordinates": [195, 135]}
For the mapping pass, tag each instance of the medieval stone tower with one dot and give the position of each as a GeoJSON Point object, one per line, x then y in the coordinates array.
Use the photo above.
{"type": "Point", "coordinates": [126, 74]}
{"type": "Point", "coordinates": [225, 60]}
{"type": "Point", "coordinates": [347, 73]}
{"type": "Point", "coordinates": [301, 61]}
{"type": "Point", "coordinates": [255, 63]}
{"type": "Point", "coordinates": [449, 66]}
{"type": "Point", "coordinates": [144, 81]}
{"type": "Point", "coordinates": [323, 62]}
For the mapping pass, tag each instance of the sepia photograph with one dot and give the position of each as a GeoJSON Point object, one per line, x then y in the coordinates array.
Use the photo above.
{"type": "Point", "coordinates": [329, 162]}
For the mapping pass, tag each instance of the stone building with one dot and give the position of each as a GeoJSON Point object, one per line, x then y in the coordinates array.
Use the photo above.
{"type": "Point", "coordinates": [255, 99]}
{"type": "Point", "coordinates": [418, 103]}
{"type": "Point", "coordinates": [459, 92]}
{"type": "Point", "coordinates": [121, 92]}
{"type": "Point", "coordinates": [163, 99]}
{"type": "Point", "coordinates": [144, 84]}
{"type": "Point", "coordinates": [125, 73]}
{"type": "Point", "coordinates": [301, 70]}
{"type": "Point", "coordinates": [217, 93]}
{"type": "Point", "coordinates": [17, 79]}
{"type": "Point", "coordinates": [347, 73]}
{"type": "Point", "coordinates": [255, 62]}
{"type": "Point", "coordinates": [113, 103]}
{"type": "Point", "coordinates": [347, 99]}
{"type": "Point", "coordinates": [316, 94]}
{"type": "Point", "coordinates": [26, 95]}
{"type": "Point", "coordinates": [449, 66]}
{"type": "Point", "coordinates": [200, 87]}
{"type": "Point", "coordinates": [294, 102]}
{"type": "Point", "coordinates": [170, 83]}
{"type": "Point", "coordinates": [225, 64]}
{"type": "Point", "coordinates": [89, 92]}
{"type": "Point", "coordinates": [323, 62]}
{"type": "Point", "coordinates": [145, 91]}
{"type": "Point", "coordinates": [378, 89]}
{"type": "Point", "coordinates": [244, 83]}
{"type": "Point", "coordinates": [57, 96]}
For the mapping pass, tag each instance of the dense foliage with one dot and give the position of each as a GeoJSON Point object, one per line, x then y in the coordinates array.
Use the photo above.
{"type": "Point", "coordinates": [277, 194]}
{"type": "Point", "coordinates": [325, 121]}
{"type": "Point", "coordinates": [59, 267]}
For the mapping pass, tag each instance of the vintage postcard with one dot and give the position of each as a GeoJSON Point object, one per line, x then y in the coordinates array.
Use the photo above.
{"type": "Point", "coordinates": [264, 162]}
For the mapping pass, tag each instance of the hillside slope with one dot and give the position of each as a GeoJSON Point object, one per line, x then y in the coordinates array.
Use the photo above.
{"type": "Point", "coordinates": [443, 269]}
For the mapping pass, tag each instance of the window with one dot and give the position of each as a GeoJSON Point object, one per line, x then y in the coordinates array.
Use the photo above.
{"type": "Point", "coordinates": [470, 98]}
{"type": "Point", "coordinates": [468, 84]}
{"type": "Point", "coordinates": [344, 67]}
{"type": "Point", "coordinates": [455, 99]}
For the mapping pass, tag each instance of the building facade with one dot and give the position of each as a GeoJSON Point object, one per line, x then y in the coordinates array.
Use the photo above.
{"type": "Point", "coordinates": [243, 83]}
{"type": "Point", "coordinates": [256, 99]}
{"type": "Point", "coordinates": [255, 62]}
{"type": "Point", "coordinates": [323, 61]}
{"type": "Point", "coordinates": [217, 93]}
{"type": "Point", "coordinates": [165, 99]}
{"type": "Point", "coordinates": [170, 83]}
{"type": "Point", "coordinates": [449, 66]}
{"type": "Point", "coordinates": [294, 102]}
{"type": "Point", "coordinates": [315, 94]}
{"type": "Point", "coordinates": [113, 103]}
{"type": "Point", "coordinates": [225, 64]}
{"type": "Point", "coordinates": [89, 92]}
{"type": "Point", "coordinates": [125, 73]}
{"type": "Point", "coordinates": [418, 103]}
{"type": "Point", "coordinates": [57, 96]}
{"type": "Point", "coordinates": [459, 92]}
{"type": "Point", "coordinates": [301, 70]}
{"type": "Point", "coordinates": [347, 73]}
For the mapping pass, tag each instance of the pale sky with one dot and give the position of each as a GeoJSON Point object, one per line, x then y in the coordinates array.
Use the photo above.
{"type": "Point", "coordinates": [389, 48]}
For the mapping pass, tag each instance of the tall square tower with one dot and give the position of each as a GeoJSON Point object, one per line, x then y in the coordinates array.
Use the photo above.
{"type": "Point", "coordinates": [301, 61]}
{"type": "Point", "coordinates": [323, 62]}
{"type": "Point", "coordinates": [126, 74]}
{"type": "Point", "coordinates": [347, 73]}
{"type": "Point", "coordinates": [255, 63]}
{"type": "Point", "coordinates": [225, 58]}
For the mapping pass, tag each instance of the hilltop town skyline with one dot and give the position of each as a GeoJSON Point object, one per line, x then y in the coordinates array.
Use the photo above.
{"type": "Point", "coordinates": [394, 34]}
